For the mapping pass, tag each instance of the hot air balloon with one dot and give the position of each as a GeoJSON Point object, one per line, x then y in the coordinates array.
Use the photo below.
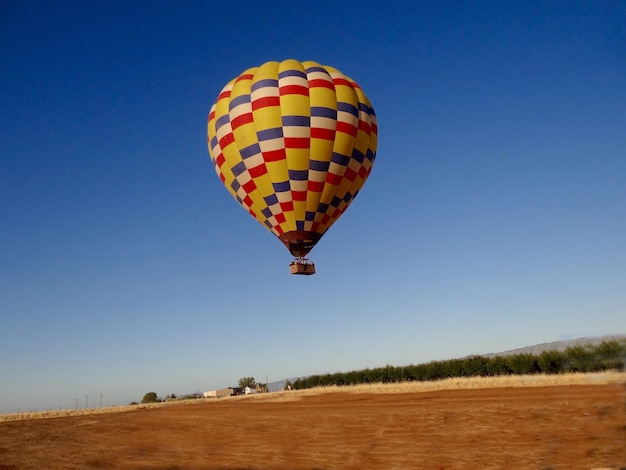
{"type": "Point", "coordinates": [293, 143]}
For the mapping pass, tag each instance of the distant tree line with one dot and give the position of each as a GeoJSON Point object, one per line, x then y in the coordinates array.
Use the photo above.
{"type": "Point", "coordinates": [608, 355]}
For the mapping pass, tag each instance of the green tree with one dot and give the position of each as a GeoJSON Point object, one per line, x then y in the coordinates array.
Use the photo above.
{"type": "Point", "coordinates": [582, 359]}
{"type": "Point", "coordinates": [497, 366]}
{"type": "Point", "coordinates": [522, 364]}
{"type": "Point", "coordinates": [150, 397]}
{"type": "Point", "coordinates": [611, 354]}
{"type": "Point", "coordinates": [550, 361]}
{"type": "Point", "coordinates": [247, 382]}
{"type": "Point", "coordinates": [475, 366]}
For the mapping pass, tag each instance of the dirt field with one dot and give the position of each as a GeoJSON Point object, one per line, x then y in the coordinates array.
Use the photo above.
{"type": "Point", "coordinates": [530, 427]}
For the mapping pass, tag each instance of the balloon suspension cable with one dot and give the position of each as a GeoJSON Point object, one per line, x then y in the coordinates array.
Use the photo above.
{"type": "Point", "coordinates": [302, 265]}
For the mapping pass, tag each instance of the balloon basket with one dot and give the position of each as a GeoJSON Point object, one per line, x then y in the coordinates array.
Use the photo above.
{"type": "Point", "coordinates": [302, 266]}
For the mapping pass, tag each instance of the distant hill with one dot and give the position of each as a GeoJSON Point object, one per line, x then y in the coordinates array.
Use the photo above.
{"type": "Point", "coordinates": [558, 345]}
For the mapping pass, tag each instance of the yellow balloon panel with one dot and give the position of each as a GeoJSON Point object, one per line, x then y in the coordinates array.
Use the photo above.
{"type": "Point", "coordinates": [293, 143]}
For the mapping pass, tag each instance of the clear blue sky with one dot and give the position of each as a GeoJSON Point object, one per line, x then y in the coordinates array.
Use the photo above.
{"type": "Point", "coordinates": [494, 217]}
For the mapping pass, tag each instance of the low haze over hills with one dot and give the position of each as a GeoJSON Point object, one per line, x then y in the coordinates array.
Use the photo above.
{"type": "Point", "coordinates": [558, 345]}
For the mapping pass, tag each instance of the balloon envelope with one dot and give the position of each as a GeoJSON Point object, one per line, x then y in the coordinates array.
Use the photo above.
{"type": "Point", "coordinates": [293, 143]}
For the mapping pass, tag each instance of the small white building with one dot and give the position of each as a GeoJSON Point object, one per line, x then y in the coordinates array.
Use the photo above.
{"type": "Point", "coordinates": [219, 393]}
{"type": "Point", "coordinates": [249, 390]}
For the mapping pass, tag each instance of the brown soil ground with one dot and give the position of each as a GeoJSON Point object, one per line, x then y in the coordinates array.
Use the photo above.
{"type": "Point", "coordinates": [549, 427]}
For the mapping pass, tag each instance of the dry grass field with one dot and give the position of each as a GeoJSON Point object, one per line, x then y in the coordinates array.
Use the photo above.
{"type": "Point", "coordinates": [537, 422]}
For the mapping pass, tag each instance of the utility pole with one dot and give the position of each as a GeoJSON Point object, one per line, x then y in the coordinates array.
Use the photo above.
{"type": "Point", "coordinates": [101, 400]}
{"type": "Point", "coordinates": [77, 404]}
{"type": "Point", "coordinates": [86, 401]}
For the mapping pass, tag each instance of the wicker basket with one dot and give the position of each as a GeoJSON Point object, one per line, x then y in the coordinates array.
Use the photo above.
{"type": "Point", "coordinates": [302, 268]}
